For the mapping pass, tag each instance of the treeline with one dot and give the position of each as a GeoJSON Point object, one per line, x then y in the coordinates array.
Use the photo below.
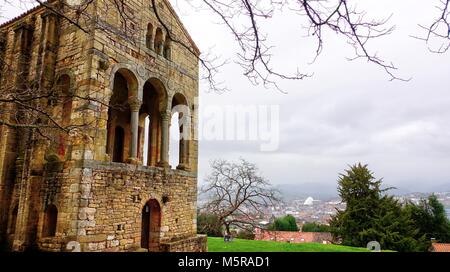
{"type": "Point", "coordinates": [288, 223]}
{"type": "Point", "coordinates": [372, 215]}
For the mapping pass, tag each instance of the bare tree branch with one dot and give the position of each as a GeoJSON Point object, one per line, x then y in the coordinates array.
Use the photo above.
{"type": "Point", "coordinates": [439, 29]}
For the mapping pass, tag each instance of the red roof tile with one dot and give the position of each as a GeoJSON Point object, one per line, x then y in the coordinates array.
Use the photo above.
{"type": "Point", "coordinates": [439, 247]}
{"type": "Point", "coordinates": [293, 236]}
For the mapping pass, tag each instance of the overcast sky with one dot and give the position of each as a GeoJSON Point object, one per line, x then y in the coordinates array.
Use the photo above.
{"type": "Point", "coordinates": [348, 112]}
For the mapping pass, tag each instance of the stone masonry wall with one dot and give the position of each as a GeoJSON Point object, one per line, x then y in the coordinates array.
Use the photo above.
{"type": "Point", "coordinates": [112, 196]}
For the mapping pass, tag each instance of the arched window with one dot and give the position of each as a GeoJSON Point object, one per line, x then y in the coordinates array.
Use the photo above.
{"type": "Point", "coordinates": [167, 50]}
{"type": "Point", "coordinates": [149, 36]}
{"type": "Point", "coordinates": [159, 40]}
{"type": "Point", "coordinates": [50, 220]}
{"type": "Point", "coordinates": [63, 85]}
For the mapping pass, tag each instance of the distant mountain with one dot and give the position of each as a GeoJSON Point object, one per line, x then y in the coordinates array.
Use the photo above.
{"type": "Point", "coordinates": [445, 187]}
{"type": "Point", "coordinates": [303, 190]}
{"type": "Point", "coordinates": [397, 190]}
{"type": "Point", "coordinates": [326, 192]}
{"type": "Point", "coordinates": [424, 187]}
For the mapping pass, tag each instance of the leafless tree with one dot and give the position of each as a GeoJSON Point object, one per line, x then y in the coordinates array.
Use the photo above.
{"type": "Point", "coordinates": [439, 28]}
{"type": "Point", "coordinates": [237, 194]}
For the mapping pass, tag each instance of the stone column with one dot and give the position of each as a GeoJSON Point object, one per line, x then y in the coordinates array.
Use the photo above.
{"type": "Point", "coordinates": [165, 119]}
{"type": "Point", "coordinates": [135, 106]}
{"type": "Point", "coordinates": [184, 147]}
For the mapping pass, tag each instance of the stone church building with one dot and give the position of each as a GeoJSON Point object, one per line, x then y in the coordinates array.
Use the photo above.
{"type": "Point", "coordinates": [104, 183]}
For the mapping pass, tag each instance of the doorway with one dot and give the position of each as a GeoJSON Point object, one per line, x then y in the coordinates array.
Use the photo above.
{"type": "Point", "coordinates": [151, 225]}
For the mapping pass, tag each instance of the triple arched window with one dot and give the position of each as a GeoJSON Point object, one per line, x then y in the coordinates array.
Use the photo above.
{"type": "Point", "coordinates": [155, 40]}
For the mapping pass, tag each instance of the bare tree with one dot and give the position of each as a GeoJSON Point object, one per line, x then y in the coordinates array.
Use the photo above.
{"type": "Point", "coordinates": [237, 194]}
{"type": "Point", "coordinates": [439, 28]}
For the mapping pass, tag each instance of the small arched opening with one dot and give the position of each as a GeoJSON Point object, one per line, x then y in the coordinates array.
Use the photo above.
{"type": "Point", "coordinates": [159, 41]}
{"type": "Point", "coordinates": [167, 50]}
{"type": "Point", "coordinates": [50, 221]}
{"type": "Point", "coordinates": [151, 225]}
{"type": "Point", "coordinates": [66, 98]}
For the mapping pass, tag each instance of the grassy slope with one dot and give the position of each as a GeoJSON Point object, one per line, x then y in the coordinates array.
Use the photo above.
{"type": "Point", "coordinates": [238, 245]}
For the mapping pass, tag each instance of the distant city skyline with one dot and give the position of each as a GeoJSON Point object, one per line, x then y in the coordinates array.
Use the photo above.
{"type": "Point", "coordinates": [319, 210]}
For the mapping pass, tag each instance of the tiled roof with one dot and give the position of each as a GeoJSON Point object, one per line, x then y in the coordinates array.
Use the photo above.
{"type": "Point", "coordinates": [439, 247]}
{"type": "Point", "coordinates": [294, 236]}
{"type": "Point", "coordinates": [22, 15]}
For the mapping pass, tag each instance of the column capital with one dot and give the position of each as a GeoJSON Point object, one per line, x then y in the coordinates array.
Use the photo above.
{"type": "Point", "coordinates": [135, 104]}
{"type": "Point", "coordinates": [165, 115]}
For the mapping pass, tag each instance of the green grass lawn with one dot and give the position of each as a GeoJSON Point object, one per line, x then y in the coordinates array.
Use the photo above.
{"type": "Point", "coordinates": [239, 245]}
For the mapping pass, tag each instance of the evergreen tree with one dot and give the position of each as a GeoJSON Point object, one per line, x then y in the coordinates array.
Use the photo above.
{"type": "Point", "coordinates": [430, 219]}
{"type": "Point", "coordinates": [370, 215]}
{"type": "Point", "coordinates": [315, 227]}
{"type": "Point", "coordinates": [286, 223]}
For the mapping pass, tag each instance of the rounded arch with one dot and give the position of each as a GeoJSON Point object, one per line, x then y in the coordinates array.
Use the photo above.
{"type": "Point", "coordinates": [131, 79]}
{"type": "Point", "coordinates": [151, 225]}
{"type": "Point", "coordinates": [145, 198]}
{"type": "Point", "coordinates": [179, 99]}
{"type": "Point", "coordinates": [124, 87]}
{"type": "Point", "coordinates": [68, 77]}
{"type": "Point", "coordinates": [160, 88]}
{"type": "Point", "coordinates": [128, 71]}
{"type": "Point", "coordinates": [154, 101]}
